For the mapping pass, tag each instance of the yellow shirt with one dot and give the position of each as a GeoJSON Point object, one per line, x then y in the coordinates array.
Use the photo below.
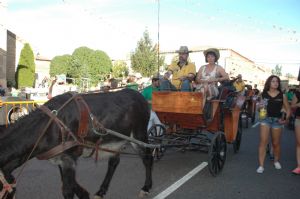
{"type": "Point", "coordinates": [184, 71]}
{"type": "Point", "coordinates": [239, 86]}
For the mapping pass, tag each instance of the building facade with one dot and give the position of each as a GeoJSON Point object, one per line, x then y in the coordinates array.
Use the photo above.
{"type": "Point", "coordinates": [3, 17]}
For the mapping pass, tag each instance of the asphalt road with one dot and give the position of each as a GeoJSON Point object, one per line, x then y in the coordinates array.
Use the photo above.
{"type": "Point", "coordinates": [41, 180]}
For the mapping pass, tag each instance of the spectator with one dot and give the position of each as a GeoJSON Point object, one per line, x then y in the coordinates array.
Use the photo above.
{"type": "Point", "coordinates": [57, 86]}
{"type": "Point", "coordinates": [296, 104]}
{"type": "Point", "coordinates": [255, 89]}
{"type": "Point", "coordinates": [131, 83]}
{"type": "Point", "coordinates": [289, 94]}
{"type": "Point", "coordinates": [2, 91]}
{"type": "Point", "coordinates": [239, 84]}
{"type": "Point", "coordinates": [181, 79]}
{"type": "Point", "coordinates": [249, 92]}
{"type": "Point", "coordinates": [113, 83]}
{"type": "Point", "coordinates": [105, 87]}
{"type": "Point", "coordinates": [147, 93]}
{"type": "Point", "coordinates": [274, 101]}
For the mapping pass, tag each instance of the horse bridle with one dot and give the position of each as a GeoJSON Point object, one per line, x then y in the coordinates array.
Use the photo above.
{"type": "Point", "coordinates": [7, 187]}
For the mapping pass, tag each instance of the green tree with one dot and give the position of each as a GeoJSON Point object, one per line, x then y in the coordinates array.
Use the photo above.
{"type": "Point", "coordinates": [144, 59]}
{"type": "Point", "coordinates": [103, 65]}
{"type": "Point", "coordinates": [277, 70]}
{"type": "Point", "coordinates": [90, 64]}
{"type": "Point", "coordinates": [25, 75]}
{"type": "Point", "coordinates": [120, 69]}
{"type": "Point", "coordinates": [61, 65]}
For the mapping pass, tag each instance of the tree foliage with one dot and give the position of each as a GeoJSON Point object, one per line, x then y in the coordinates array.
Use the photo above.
{"type": "Point", "coordinates": [120, 69]}
{"type": "Point", "coordinates": [83, 63]}
{"type": "Point", "coordinates": [25, 75]}
{"type": "Point", "coordinates": [277, 70]}
{"type": "Point", "coordinates": [61, 65]}
{"type": "Point", "coordinates": [144, 59]}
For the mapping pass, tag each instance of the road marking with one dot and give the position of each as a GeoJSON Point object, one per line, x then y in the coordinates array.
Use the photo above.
{"type": "Point", "coordinates": [180, 182]}
{"type": "Point", "coordinates": [254, 125]}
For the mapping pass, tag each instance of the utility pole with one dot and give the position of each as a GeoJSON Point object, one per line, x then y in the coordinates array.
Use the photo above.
{"type": "Point", "coordinates": [158, 10]}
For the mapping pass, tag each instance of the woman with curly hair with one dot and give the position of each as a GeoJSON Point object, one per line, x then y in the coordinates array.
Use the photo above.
{"type": "Point", "coordinates": [274, 101]}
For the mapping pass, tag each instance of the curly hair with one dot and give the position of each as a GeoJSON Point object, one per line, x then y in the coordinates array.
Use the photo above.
{"type": "Point", "coordinates": [213, 54]}
{"type": "Point", "coordinates": [268, 83]}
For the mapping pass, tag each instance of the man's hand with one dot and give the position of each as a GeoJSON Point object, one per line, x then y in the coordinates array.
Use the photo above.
{"type": "Point", "coordinates": [182, 78]}
{"type": "Point", "coordinates": [167, 75]}
{"type": "Point", "coordinates": [282, 121]}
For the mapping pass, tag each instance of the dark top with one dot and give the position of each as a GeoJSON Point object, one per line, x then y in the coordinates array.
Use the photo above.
{"type": "Point", "coordinates": [274, 104]}
{"type": "Point", "coordinates": [297, 113]}
{"type": "Point", "coordinates": [256, 91]}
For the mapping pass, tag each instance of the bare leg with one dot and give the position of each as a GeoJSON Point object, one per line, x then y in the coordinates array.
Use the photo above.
{"type": "Point", "coordinates": [297, 134]}
{"type": "Point", "coordinates": [264, 138]}
{"type": "Point", "coordinates": [276, 135]}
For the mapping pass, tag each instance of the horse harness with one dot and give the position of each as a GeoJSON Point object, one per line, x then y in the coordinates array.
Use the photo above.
{"type": "Point", "coordinates": [76, 139]}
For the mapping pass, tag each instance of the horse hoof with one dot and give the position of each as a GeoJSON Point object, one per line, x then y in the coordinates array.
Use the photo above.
{"type": "Point", "coordinates": [142, 194]}
{"type": "Point", "coordinates": [98, 197]}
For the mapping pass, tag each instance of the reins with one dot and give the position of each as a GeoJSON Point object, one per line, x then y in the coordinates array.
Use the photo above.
{"type": "Point", "coordinates": [43, 108]}
{"type": "Point", "coordinates": [7, 187]}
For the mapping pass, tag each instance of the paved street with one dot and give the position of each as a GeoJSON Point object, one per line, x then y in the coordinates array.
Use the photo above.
{"type": "Point", "coordinates": [41, 179]}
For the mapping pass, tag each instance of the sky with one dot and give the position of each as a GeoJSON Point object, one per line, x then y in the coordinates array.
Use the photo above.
{"type": "Point", "coordinates": [265, 31]}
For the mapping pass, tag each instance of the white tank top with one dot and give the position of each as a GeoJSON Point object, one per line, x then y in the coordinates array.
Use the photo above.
{"type": "Point", "coordinates": [206, 75]}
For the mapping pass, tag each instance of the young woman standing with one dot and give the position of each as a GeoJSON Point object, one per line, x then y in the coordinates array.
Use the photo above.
{"type": "Point", "coordinates": [296, 104]}
{"type": "Point", "coordinates": [274, 101]}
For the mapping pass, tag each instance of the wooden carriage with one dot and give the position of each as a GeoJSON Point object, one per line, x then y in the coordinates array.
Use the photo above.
{"type": "Point", "coordinates": [183, 112]}
{"type": "Point", "coordinates": [248, 110]}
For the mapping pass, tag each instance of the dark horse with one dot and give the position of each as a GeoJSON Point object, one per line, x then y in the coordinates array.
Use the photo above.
{"type": "Point", "coordinates": [123, 111]}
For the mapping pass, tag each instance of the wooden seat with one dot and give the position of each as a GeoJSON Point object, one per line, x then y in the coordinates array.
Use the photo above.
{"type": "Point", "coordinates": [184, 109]}
{"type": "Point", "coordinates": [177, 102]}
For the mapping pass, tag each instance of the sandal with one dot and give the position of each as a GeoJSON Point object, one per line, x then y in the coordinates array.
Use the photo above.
{"type": "Point", "coordinates": [296, 171]}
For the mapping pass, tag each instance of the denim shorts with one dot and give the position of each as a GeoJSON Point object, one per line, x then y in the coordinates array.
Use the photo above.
{"type": "Point", "coordinates": [297, 122]}
{"type": "Point", "coordinates": [271, 122]}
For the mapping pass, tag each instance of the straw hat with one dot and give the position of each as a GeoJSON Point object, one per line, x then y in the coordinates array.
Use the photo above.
{"type": "Point", "coordinates": [212, 50]}
{"type": "Point", "coordinates": [183, 49]}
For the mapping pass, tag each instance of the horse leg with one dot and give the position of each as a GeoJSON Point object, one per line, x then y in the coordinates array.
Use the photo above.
{"type": "Point", "coordinates": [148, 163]}
{"type": "Point", "coordinates": [113, 162]}
{"type": "Point", "coordinates": [69, 185]}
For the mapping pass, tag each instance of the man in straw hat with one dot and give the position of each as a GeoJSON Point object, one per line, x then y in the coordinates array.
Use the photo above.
{"type": "Point", "coordinates": [183, 72]}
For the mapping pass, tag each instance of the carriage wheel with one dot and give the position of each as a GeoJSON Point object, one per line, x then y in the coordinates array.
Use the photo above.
{"type": "Point", "coordinates": [217, 153]}
{"type": "Point", "coordinates": [16, 112]}
{"type": "Point", "coordinates": [157, 130]}
{"type": "Point", "coordinates": [237, 142]}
